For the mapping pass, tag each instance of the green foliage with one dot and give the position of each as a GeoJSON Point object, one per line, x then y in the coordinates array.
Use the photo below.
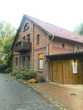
{"type": "Point", "coordinates": [3, 67]}
{"type": "Point", "coordinates": [7, 33]}
{"type": "Point", "coordinates": [29, 74]}
{"type": "Point", "coordinates": [25, 73]}
{"type": "Point", "coordinates": [79, 29]}
{"type": "Point", "coordinates": [6, 29]}
{"type": "Point", "coordinates": [19, 76]}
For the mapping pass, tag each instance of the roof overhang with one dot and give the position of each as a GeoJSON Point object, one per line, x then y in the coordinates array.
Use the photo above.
{"type": "Point", "coordinates": [65, 56]}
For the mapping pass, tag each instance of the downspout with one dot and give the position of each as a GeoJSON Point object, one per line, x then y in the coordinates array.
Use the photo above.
{"type": "Point", "coordinates": [33, 47]}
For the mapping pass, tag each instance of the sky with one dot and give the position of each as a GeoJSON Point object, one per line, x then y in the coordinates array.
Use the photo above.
{"type": "Point", "coordinates": [67, 14]}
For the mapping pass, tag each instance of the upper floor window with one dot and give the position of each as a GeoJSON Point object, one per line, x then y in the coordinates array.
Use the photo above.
{"type": "Point", "coordinates": [38, 39]}
{"type": "Point", "coordinates": [28, 37]}
{"type": "Point", "coordinates": [26, 27]}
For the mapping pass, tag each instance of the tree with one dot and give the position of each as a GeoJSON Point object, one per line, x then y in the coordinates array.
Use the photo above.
{"type": "Point", "coordinates": [7, 33]}
{"type": "Point", "coordinates": [79, 29]}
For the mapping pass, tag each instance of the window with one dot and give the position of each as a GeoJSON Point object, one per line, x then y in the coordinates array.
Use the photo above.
{"type": "Point", "coordinates": [38, 38]}
{"type": "Point", "coordinates": [26, 27]}
{"type": "Point", "coordinates": [16, 61]}
{"type": "Point", "coordinates": [23, 60]}
{"type": "Point", "coordinates": [41, 61]}
{"type": "Point", "coordinates": [28, 37]}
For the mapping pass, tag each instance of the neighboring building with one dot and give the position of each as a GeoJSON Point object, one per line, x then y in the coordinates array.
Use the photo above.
{"type": "Point", "coordinates": [54, 52]}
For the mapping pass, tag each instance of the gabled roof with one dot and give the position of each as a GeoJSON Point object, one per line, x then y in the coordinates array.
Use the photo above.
{"type": "Point", "coordinates": [56, 31]}
{"type": "Point", "coordinates": [52, 30]}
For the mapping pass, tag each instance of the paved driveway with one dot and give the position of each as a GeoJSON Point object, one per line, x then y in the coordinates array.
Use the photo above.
{"type": "Point", "coordinates": [16, 96]}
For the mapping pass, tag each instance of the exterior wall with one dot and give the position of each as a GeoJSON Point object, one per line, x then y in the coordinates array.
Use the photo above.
{"type": "Point", "coordinates": [36, 49]}
{"type": "Point", "coordinates": [62, 47]}
{"type": "Point", "coordinates": [40, 49]}
{"type": "Point", "coordinates": [20, 37]}
{"type": "Point", "coordinates": [45, 47]}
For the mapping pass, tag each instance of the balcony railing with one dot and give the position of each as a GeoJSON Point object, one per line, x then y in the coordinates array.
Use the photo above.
{"type": "Point", "coordinates": [22, 46]}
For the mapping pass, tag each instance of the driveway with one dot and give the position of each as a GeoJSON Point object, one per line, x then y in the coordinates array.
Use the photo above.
{"type": "Point", "coordinates": [16, 96]}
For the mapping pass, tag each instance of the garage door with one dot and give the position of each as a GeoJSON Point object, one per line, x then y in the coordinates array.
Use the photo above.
{"type": "Point", "coordinates": [60, 71]}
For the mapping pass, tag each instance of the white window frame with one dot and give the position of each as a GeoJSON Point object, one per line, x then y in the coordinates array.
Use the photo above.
{"type": "Point", "coordinates": [41, 63]}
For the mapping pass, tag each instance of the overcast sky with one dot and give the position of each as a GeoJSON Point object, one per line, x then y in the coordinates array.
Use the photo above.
{"type": "Point", "coordinates": [64, 13]}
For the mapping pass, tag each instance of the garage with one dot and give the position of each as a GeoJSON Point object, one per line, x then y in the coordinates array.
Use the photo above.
{"type": "Point", "coordinates": [66, 69]}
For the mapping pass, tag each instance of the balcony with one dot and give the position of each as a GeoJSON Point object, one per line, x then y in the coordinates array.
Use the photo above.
{"type": "Point", "coordinates": [23, 46]}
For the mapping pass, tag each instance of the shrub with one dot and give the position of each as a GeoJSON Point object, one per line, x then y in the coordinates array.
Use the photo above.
{"type": "Point", "coordinates": [24, 73]}
{"type": "Point", "coordinates": [14, 72]}
{"type": "Point", "coordinates": [19, 76]}
{"type": "Point", "coordinates": [29, 74]}
{"type": "Point", "coordinates": [3, 68]}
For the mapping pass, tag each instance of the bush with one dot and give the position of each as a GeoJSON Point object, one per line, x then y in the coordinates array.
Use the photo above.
{"type": "Point", "coordinates": [3, 68]}
{"type": "Point", "coordinates": [29, 74]}
{"type": "Point", "coordinates": [25, 73]}
{"type": "Point", "coordinates": [19, 76]}
{"type": "Point", "coordinates": [15, 72]}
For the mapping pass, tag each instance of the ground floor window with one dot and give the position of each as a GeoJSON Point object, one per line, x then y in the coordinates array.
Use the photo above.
{"type": "Point", "coordinates": [23, 61]}
{"type": "Point", "coordinates": [16, 61]}
{"type": "Point", "coordinates": [41, 61]}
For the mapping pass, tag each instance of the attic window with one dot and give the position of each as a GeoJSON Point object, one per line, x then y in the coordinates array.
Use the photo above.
{"type": "Point", "coordinates": [38, 39]}
{"type": "Point", "coordinates": [26, 27]}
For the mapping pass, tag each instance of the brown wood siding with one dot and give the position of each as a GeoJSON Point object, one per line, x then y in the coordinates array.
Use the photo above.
{"type": "Point", "coordinates": [61, 72]}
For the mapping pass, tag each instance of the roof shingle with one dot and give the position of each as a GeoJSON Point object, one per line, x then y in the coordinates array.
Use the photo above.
{"type": "Point", "coordinates": [57, 31]}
